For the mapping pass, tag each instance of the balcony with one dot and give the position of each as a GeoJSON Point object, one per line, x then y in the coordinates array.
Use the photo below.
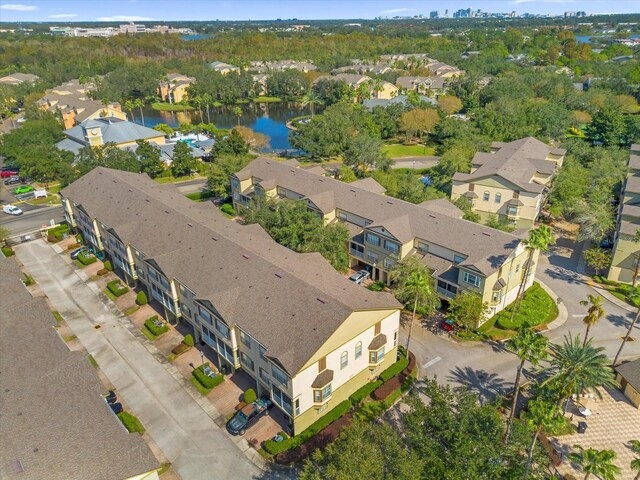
{"type": "Point", "coordinates": [356, 253]}
{"type": "Point", "coordinates": [445, 293]}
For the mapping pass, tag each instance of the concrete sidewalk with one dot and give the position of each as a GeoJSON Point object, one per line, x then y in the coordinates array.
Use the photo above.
{"type": "Point", "coordinates": [189, 438]}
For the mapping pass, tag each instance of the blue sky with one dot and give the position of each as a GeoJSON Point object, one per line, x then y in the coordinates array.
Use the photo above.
{"type": "Point", "coordinates": [157, 10]}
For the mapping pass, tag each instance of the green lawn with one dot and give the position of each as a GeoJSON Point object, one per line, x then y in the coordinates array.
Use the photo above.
{"type": "Point", "coordinates": [537, 308]}
{"type": "Point", "coordinates": [170, 107]}
{"type": "Point", "coordinates": [49, 200]}
{"type": "Point", "coordinates": [266, 99]}
{"type": "Point", "coordinates": [397, 150]}
{"type": "Point", "coordinates": [147, 333]}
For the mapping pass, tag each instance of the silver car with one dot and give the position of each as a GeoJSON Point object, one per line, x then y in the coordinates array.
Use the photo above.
{"type": "Point", "coordinates": [360, 276]}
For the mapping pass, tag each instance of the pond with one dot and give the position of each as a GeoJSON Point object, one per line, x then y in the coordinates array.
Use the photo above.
{"type": "Point", "coordinates": [267, 118]}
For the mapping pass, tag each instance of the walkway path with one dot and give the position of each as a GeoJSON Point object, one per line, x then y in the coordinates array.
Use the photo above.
{"type": "Point", "coordinates": [189, 438]}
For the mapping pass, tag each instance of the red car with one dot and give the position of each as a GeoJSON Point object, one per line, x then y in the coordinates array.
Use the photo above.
{"type": "Point", "coordinates": [7, 173]}
{"type": "Point", "coordinates": [448, 324]}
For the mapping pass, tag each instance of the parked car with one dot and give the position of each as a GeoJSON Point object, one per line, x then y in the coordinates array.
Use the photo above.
{"type": "Point", "coordinates": [116, 407]}
{"type": "Point", "coordinates": [12, 180]}
{"type": "Point", "coordinates": [248, 415]}
{"type": "Point", "coordinates": [448, 325]}
{"type": "Point", "coordinates": [360, 276]}
{"type": "Point", "coordinates": [78, 251]}
{"type": "Point", "coordinates": [111, 397]}
{"type": "Point", "coordinates": [8, 173]}
{"type": "Point", "coordinates": [23, 189]}
{"type": "Point", "coordinates": [11, 210]}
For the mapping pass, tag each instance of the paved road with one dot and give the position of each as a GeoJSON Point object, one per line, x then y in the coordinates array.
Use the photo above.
{"type": "Point", "coordinates": [192, 186]}
{"type": "Point", "coordinates": [188, 437]}
{"type": "Point", "coordinates": [415, 162]}
{"type": "Point", "coordinates": [486, 367]}
{"type": "Point", "coordinates": [31, 220]}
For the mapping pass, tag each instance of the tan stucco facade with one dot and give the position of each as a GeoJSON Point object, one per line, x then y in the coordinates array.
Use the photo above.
{"type": "Point", "coordinates": [631, 393]}
{"type": "Point", "coordinates": [386, 91]}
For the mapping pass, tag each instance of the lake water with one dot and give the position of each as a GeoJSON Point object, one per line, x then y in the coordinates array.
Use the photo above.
{"type": "Point", "coordinates": [587, 38]}
{"type": "Point", "coordinates": [267, 118]}
{"type": "Point", "coordinates": [195, 37]}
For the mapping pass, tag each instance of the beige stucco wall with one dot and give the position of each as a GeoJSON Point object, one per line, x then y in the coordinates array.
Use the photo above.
{"type": "Point", "coordinates": [624, 259]}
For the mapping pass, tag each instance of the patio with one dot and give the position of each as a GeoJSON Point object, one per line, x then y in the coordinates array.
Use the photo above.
{"type": "Point", "coordinates": [612, 423]}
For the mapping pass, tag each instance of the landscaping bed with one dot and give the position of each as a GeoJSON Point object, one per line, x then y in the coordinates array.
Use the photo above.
{"type": "Point", "coordinates": [86, 258]}
{"type": "Point", "coordinates": [619, 290]}
{"type": "Point", "coordinates": [537, 309]}
{"type": "Point", "coordinates": [56, 234]}
{"type": "Point", "coordinates": [398, 150]}
{"type": "Point", "coordinates": [131, 422]}
{"type": "Point", "coordinates": [400, 375]}
{"type": "Point", "coordinates": [117, 288]}
{"type": "Point", "coordinates": [206, 382]}
{"type": "Point", "coordinates": [152, 324]}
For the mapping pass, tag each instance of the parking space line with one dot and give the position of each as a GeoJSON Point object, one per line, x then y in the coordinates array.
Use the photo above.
{"type": "Point", "coordinates": [433, 361]}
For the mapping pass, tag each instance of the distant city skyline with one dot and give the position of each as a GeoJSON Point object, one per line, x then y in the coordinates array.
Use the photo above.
{"type": "Point", "coordinates": [68, 11]}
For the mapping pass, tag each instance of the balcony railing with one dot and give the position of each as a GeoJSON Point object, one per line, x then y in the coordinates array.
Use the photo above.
{"type": "Point", "coordinates": [445, 292]}
{"type": "Point", "coordinates": [356, 253]}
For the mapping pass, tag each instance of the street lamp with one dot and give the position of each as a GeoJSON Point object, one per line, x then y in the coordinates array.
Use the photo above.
{"type": "Point", "coordinates": [201, 357]}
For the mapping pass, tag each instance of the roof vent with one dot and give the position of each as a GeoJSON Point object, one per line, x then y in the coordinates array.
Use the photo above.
{"type": "Point", "coordinates": [167, 211]}
{"type": "Point", "coordinates": [278, 275]}
{"type": "Point", "coordinates": [432, 215]}
{"type": "Point", "coordinates": [214, 239]}
{"type": "Point", "coordinates": [189, 225]}
{"type": "Point", "coordinates": [352, 190]}
{"type": "Point", "coordinates": [390, 203]}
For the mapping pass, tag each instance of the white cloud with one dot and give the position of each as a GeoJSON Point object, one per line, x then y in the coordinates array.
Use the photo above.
{"type": "Point", "coordinates": [17, 7]}
{"type": "Point", "coordinates": [395, 10]}
{"type": "Point", "coordinates": [63, 15]}
{"type": "Point", "coordinates": [124, 18]}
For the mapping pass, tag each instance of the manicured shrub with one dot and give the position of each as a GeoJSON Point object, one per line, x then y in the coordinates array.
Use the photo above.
{"type": "Point", "coordinates": [228, 209]}
{"type": "Point", "coordinates": [117, 288]}
{"type": "Point", "coordinates": [102, 271]}
{"type": "Point", "coordinates": [131, 422]}
{"type": "Point", "coordinates": [59, 232]}
{"type": "Point", "coordinates": [141, 298]}
{"type": "Point", "coordinates": [79, 238]}
{"type": "Point", "coordinates": [250, 396]}
{"type": "Point", "coordinates": [180, 349]}
{"type": "Point", "coordinates": [537, 308]}
{"type": "Point", "coordinates": [73, 246]}
{"type": "Point", "coordinates": [28, 280]}
{"type": "Point", "coordinates": [108, 266]}
{"type": "Point", "coordinates": [205, 380]}
{"type": "Point", "coordinates": [377, 286]}
{"type": "Point", "coordinates": [395, 369]}
{"type": "Point", "coordinates": [87, 258]}
{"type": "Point", "coordinates": [153, 328]}
{"type": "Point", "coordinates": [363, 392]}
{"type": "Point", "coordinates": [188, 340]}
{"type": "Point", "coordinates": [7, 251]}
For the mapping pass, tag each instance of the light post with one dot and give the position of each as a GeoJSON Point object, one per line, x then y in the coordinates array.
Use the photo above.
{"type": "Point", "coordinates": [201, 357]}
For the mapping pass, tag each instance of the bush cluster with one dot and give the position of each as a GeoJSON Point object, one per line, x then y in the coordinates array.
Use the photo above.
{"type": "Point", "coordinates": [179, 349]}
{"type": "Point", "coordinates": [205, 380]}
{"type": "Point", "coordinates": [102, 271]}
{"type": "Point", "coordinates": [117, 288]}
{"type": "Point", "coordinates": [141, 298]}
{"type": "Point", "coordinates": [537, 308]}
{"type": "Point", "coordinates": [157, 331]}
{"type": "Point", "coordinates": [87, 258]}
{"type": "Point", "coordinates": [188, 340]}
{"type": "Point", "coordinates": [250, 396]}
{"type": "Point", "coordinates": [228, 209]}
{"type": "Point", "coordinates": [58, 233]}
{"type": "Point", "coordinates": [108, 266]}
{"type": "Point", "coordinates": [7, 251]}
{"type": "Point", "coordinates": [131, 422]}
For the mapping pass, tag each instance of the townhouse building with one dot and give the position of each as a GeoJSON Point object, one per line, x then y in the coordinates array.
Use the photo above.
{"type": "Point", "coordinates": [173, 88]}
{"type": "Point", "coordinates": [308, 337]}
{"type": "Point", "coordinates": [422, 85]}
{"type": "Point", "coordinates": [376, 89]}
{"type": "Point", "coordinates": [626, 249]}
{"type": "Point", "coordinates": [223, 68]}
{"type": "Point", "coordinates": [18, 78]}
{"type": "Point", "coordinates": [464, 256]}
{"type": "Point", "coordinates": [511, 182]}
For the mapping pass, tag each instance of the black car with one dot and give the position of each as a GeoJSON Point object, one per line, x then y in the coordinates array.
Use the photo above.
{"type": "Point", "coordinates": [111, 397]}
{"type": "Point", "coordinates": [248, 415]}
{"type": "Point", "coordinates": [12, 181]}
{"type": "Point", "coordinates": [116, 407]}
{"type": "Point", "coordinates": [77, 252]}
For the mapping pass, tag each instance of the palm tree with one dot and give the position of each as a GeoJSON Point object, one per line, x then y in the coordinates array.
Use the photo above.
{"type": "Point", "coordinates": [541, 414]}
{"type": "Point", "coordinates": [129, 106]}
{"type": "Point", "coordinates": [412, 282]}
{"type": "Point", "coordinates": [597, 462]}
{"type": "Point", "coordinates": [635, 463]}
{"type": "Point", "coordinates": [576, 367]}
{"type": "Point", "coordinates": [237, 111]}
{"type": "Point", "coordinates": [311, 99]}
{"type": "Point", "coordinates": [539, 239]}
{"type": "Point", "coordinates": [594, 314]}
{"type": "Point", "coordinates": [530, 347]}
{"type": "Point", "coordinates": [634, 297]}
{"type": "Point", "coordinates": [138, 102]}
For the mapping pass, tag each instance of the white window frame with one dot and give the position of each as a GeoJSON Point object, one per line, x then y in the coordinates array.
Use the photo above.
{"type": "Point", "coordinates": [471, 279]}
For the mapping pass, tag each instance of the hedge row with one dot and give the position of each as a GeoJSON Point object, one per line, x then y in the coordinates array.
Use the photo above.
{"type": "Point", "coordinates": [116, 287]}
{"type": "Point", "coordinates": [274, 447]}
{"type": "Point", "coordinates": [58, 232]}
{"type": "Point", "coordinates": [87, 258]}
{"type": "Point", "coordinates": [363, 392]}
{"type": "Point", "coordinates": [180, 349]}
{"type": "Point", "coordinates": [205, 380]}
{"type": "Point", "coordinates": [157, 331]}
{"type": "Point", "coordinates": [7, 251]}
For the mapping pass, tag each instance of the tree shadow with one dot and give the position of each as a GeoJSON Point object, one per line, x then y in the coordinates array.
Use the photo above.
{"type": "Point", "coordinates": [559, 273]}
{"type": "Point", "coordinates": [484, 384]}
{"type": "Point", "coordinates": [273, 471]}
{"type": "Point", "coordinates": [497, 347]}
{"type": "Point", "coordinates": [621, 320]}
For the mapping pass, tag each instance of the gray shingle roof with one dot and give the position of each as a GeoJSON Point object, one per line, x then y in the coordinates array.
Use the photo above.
{"type": "Point", "coordinates": [412, 82]}
{"type": "Point", "coordinates": [16, 78]}
{"type": "Point", "coordinates": [631, 373]}
{"type": "Point", "coordinates": [485, 248]}
{"type": "Point", "coordinates": [516, 162]}
{"type": "Point", "coordinates": [54, 422]}
{"type": "Point", "coordinates": [113, 130]}
{"type": "Point", "coordinates": [403, 99]}
{"type": "Point", "coordinates": [271, 292]}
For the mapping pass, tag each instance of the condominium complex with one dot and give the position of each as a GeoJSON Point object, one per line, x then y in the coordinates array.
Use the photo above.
{"type": "Point", "coordinates": [55, 424]}
{"type": "Point", "coordinates": [307, 336]}
{"type": "Point", "coordinates": [511, 182]}
{"type": "Point", "coordinates": [463, 255]}
{"type": "Point", "coordinates": [173, 88]}
{"type": "Point", "coordinates": [626, 249]}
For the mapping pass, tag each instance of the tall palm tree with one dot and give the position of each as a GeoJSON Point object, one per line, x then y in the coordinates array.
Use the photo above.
{"type": "Point", "coordinates": [576, 367]}
{"type": "Point", "coordinates": [138, 102]}
{"type": "Point", "coordinates": [530, 347]}
{"type": "Point", "coordinates": [635, 463]}
{"type": "Point", "coordinates": [412, 282]}
{"type": "Point", "coordinates": [539, 239]}
{"type": "Point", "coordinates": [597, 462]}
{"type": "Point", "coordinates": [312, 99]}
{"type": "Point", "coordinates": [129, 105]}
{"type": "Point", "coordinates": [541, 414]}
{"type": "Point", "coordinates": [634, 297]}
{"type": "Point", "coordinates": [594, 314]}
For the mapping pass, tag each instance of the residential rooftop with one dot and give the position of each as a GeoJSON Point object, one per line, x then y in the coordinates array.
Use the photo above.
{"type": "Point", "coordinates": [272, 293]}
{"type": "Point", "coordinates": [55, 424]}
{"type": "Point", "coordinates": [631, 372]}
{"type": "Point", "coordinates": [485, 249]}
{"type": "Point", "coordinates": [517, 162]}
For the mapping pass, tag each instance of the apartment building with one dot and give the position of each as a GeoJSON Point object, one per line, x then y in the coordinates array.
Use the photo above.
{"type": "Point", "coordinates": [307, 336]}
{"type": "Point", "coordinates": [511, 182]}
{"type": "Point", "coordinates": [376, 89]}
{"type": "Point", "coordinates": [55, 424]}
{"type": "Point", "coordinates": [626, 250]}
{"type": "Point", "coordinates": [422, 85]}
{"type": "Point", "coordinates": [73, 102]}
{"type": "Point", "coordinates": [223, 68]}
{"type": "Point", "coordinates": [173, 88]}
{"type": "Point", "coordinates": [18, 78]}
{"type": "Point", "coordinates": [463, 255]}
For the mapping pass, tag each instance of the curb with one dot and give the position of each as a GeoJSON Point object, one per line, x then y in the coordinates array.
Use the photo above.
{"type": "Point", "coordinates": [563, 314]}
{"type": "Point", "coordinates": [616, 301]}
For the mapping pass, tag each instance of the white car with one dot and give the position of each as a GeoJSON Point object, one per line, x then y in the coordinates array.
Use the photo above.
{"type": "Point", "coordinates": [12, 210]}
